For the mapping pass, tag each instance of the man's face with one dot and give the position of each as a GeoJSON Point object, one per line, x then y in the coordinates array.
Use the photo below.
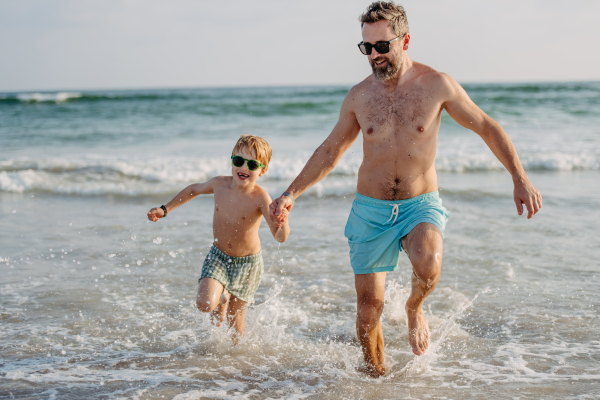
{"type": "Point", "coordinates": [384, 66]}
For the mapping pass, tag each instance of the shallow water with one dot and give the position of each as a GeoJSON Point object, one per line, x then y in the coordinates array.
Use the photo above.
{"type": "Point", "coordinates": [105, 308]}
{"type": "Point", "coordinates": [97, 302]}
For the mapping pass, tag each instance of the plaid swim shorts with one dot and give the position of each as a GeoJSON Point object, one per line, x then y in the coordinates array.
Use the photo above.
{"type": "Point", "coordinates": [240, 276]}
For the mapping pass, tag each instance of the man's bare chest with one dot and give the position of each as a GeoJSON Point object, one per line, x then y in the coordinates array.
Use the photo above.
{"type": "Point", "coordinates": [410, 112]}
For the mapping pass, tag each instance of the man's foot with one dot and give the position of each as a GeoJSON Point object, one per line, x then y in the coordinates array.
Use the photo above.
{"type": "Point", "coordinates": [374, 371]}
{"type": "Point", "coordinates": [372, 346]}
{"type": "Point", "coordinates": [418, 330]}
{"type": "Point", "coordinates": [217, 316]}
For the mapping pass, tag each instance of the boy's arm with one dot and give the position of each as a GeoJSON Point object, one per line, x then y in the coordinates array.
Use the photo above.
{"type": "Point", "coordinates": [183, 197]}
{"type": "Point", "coordinates": [280, 228]}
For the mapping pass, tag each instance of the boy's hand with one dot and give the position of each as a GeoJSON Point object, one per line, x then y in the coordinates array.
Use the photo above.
{"type": "Point", "coordinates": [279, 220]}
{"type": "Point", "coordinates": [279, 204]}
{"type": "Point", "coordinates": [155, 213]}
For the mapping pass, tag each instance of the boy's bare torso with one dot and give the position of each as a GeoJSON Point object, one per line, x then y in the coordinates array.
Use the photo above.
{"type": "Point", "coordinates": [237, 218]}
{"type": "Point", "coordinates": [400, 128]}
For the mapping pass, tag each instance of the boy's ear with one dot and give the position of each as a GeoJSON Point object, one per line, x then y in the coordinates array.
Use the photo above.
{"type": "Point", "coordinates": [262, 171]}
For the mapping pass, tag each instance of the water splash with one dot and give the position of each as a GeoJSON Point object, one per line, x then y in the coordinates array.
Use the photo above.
{"type": "Point", "coordinates": [420, 364]}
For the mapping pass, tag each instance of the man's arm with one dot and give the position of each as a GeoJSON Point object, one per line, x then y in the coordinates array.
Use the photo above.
{"type": "Point", "coordinates": [464, 111]}
{"type": "Point", "coordinates": [187, 194]}
{"type": "Point", "coordinates": [327, 155]}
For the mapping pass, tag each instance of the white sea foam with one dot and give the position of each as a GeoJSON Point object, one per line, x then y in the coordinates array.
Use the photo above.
{"type": "Point", "coordinates": [57, 97]}
{"type": "Point", "coordinates": [101, 175]}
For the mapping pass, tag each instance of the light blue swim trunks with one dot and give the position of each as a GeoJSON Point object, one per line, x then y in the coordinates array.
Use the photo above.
{"type": "Point", "coordinates": [375, 228]}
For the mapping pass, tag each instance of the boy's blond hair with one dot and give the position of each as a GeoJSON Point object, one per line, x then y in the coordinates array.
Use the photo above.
{"type": "Point", "coordinates": [255, 145]}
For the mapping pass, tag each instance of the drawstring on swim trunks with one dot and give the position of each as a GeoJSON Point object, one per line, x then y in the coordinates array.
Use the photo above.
{"type": "Point", "coordinates": [395, 213]}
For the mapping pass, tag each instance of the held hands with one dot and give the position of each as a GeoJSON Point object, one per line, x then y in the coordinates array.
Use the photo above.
{"type": "Point", "coordinates": [279, 220]}
{"type": "Point", "coordinates": [527, 194]}
{"type": "Point", "coordinates": [280, 208]}
{"type": "Point", "coordinates": [156, 213]}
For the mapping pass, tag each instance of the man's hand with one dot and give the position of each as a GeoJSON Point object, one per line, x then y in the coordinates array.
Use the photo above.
{"type": "Point", "coordinates": [155, 213]}
{"type": "Point", "coordinates": [279, 220]}
{"type": "Point", "coordinates": [278, 205]}
{"type": "Point", "coordinates": [526, 193]}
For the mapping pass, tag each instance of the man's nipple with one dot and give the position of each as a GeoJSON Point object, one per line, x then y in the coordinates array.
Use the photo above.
{"type": "Point", "coordinates": [421, 129]}
{"type": "Point", "coordinates": [370, 131]}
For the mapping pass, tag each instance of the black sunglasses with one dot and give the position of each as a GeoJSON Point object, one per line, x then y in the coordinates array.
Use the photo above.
{"type": "Point", "coordinates": [252, 165]}
{"type": "Point", "coordinates": [381, 47]}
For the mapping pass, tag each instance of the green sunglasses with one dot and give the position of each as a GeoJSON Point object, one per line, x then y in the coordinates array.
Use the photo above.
{"type": "Point", "coordinates": [252, 165]}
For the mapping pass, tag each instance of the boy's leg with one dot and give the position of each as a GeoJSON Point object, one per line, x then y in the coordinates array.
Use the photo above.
{"type": "Point", "coordinates": [217, 316]}
{"type": "Point", "coordinates": [235, 316]}
{"type": "Point", "coordinates": [209, 294]}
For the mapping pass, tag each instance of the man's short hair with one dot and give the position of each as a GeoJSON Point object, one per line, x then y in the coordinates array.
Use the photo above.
{"type": "Point", "coordinates": [255, 145]}
{"type": "Point", "coordinates": [389, 11]}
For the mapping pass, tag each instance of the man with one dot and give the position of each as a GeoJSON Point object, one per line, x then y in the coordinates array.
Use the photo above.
{"type": "Point", "coordinates": [397, 207]}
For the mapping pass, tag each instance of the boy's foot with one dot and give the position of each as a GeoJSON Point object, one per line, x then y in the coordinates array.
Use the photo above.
{"type": "Point", "coordinates": [217, 316]}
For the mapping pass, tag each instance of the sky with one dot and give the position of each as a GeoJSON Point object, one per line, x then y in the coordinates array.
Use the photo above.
{"type": "Point", "coordinates": [110, 44]}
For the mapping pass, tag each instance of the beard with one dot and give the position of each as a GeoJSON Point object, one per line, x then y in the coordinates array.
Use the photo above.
{"type": "Point", "coordinates": [389, 71]}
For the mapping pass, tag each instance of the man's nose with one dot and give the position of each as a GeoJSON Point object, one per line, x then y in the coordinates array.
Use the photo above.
{"type": "Point", "coordinates": [374, 53]}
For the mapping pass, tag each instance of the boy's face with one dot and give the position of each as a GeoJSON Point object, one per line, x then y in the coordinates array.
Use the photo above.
{"type": "Point", "coordinates": [242, 175]}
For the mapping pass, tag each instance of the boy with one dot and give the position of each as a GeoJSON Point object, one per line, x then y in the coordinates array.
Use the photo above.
{"type": "Point", "coordinates": [234, 263]}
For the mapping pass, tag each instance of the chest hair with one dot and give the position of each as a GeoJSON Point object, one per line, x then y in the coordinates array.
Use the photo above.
{"type": "Point", "coordinates": [400, 108]}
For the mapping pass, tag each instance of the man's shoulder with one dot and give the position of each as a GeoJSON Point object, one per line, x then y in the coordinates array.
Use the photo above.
{"type": "Point", "coordinates": [363, 86]}
{"type": "Point", "coordinates": [435, 80]}
{"type": "Point", "coordinates": [430, 75]}
{"type": "Point", "coordinates": [357, 93]}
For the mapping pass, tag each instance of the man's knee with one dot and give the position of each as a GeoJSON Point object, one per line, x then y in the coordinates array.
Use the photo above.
{"type": "Point", "coordinates": [427, 266]}
{"type": "Point", "coordinates": [425, 249]}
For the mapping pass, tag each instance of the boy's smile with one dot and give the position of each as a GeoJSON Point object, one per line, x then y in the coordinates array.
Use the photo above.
{"type": "Point", "coordinates": [242, 175]}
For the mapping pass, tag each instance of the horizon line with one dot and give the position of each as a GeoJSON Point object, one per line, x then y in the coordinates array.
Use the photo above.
{"type": "Point", "coordinates": [259, 86]}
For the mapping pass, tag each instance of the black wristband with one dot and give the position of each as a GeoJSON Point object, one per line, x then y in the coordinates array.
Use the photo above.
{"type": "Point", "coordinates": [164, 210]}
{"type": "Point", "coordinates": [288, 194]}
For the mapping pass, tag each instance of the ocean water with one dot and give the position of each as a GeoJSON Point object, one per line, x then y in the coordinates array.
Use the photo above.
{"type": "Point", "coordinates": [97, 302]}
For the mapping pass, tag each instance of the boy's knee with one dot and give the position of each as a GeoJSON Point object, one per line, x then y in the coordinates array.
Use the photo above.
{"type": "Point", "coordinates": [205, 305]}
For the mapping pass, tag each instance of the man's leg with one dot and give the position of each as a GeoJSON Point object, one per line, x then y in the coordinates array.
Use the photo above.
{"type": "Point", "coordinates": [424, 247]}
{"type": "Point", "coordinates": [370, 289]}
